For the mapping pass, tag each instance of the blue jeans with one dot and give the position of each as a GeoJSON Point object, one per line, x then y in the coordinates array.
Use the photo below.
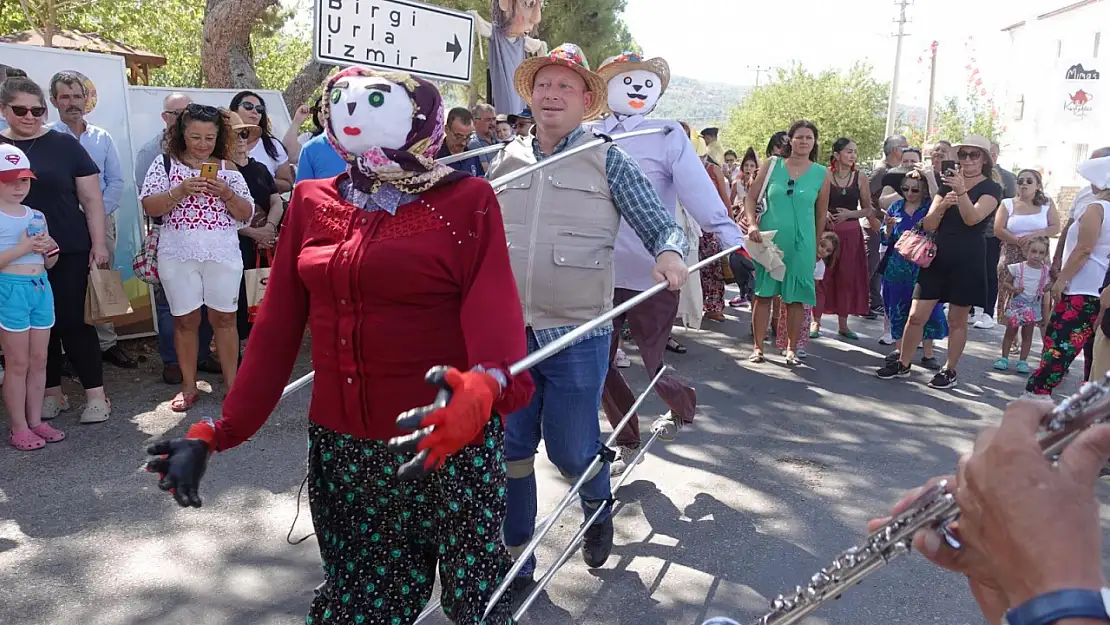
{"type": "Point", "coordinates": [166, 350]}
{"type": "Point", "coordinates": [563, 411]}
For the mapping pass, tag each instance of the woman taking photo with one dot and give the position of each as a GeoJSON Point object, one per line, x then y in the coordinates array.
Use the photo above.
{"type": "Point", "coordinates": [266, 148]}
{"type": "Point", "coordinates": [797, 203]}
{"type": "Point", "coordinates": [1076, 290]}
{"type": "Point", "coordinates": [844, 292]}
{"type": "Point", "coordinates": [747, 170]}
{"type": "Point", "coordinates": [66, 189]}
{"type": "Point", "coordinates": [957, 274]}
{"type": "Point", "coordinates": [1029, 215]}
{"type": "Point", "coordinates": [257, 239]}
{"type": "Point", "coordinates": [204, 201]}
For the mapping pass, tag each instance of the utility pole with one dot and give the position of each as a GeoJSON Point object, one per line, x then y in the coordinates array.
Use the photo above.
{"type": "Point", "coordinates": [892, 107]}
{"type": "Point", "coordinates": [932, 91]}
{"type": "Point", "coordinates": [760, 70]}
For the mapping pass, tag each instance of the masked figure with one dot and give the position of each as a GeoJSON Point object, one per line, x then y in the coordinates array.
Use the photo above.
{"type": "Point", "coordinates": [513, 20]}
{"type": "Point", "coordinates": [674, 169]}
{"type": "Point", "coordinates": [396, 266]}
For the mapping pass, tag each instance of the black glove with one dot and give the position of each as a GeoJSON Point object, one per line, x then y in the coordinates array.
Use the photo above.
{"type": "Point", "coordinates": [181, 463]}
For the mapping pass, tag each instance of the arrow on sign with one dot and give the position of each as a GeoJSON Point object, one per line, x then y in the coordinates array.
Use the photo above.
{"type": "Point", "coordinates": [455, 47]}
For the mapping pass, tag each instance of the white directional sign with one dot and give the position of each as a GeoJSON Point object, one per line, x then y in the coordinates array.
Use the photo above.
{"type": "Point", "coordinates": [395, 35]}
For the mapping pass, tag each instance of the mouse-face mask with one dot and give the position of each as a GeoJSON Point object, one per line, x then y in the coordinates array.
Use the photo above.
{"type": "Point", "coordinates": [388, 126]}
{"type": "Point", "coordinates": [635, 85]}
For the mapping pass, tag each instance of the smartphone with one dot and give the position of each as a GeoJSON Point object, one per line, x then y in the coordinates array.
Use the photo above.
{"type": "Point", "coordinates": [208, 170]}
{"type": "Point", "coordinates": [948, 168]}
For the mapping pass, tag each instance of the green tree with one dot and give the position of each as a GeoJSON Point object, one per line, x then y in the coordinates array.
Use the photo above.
{"type": "Point", "coordinates": [595, 25]}
{"type": "Point", "coordinates": [850, 104]}
{"type": "Point", "coordinates": [955, 120]}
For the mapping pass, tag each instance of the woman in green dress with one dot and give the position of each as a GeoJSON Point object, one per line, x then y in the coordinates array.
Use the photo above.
{"type": "Point", "coordinates": [797, 205]}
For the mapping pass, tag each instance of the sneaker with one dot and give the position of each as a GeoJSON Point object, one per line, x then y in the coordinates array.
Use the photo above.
{"type": "Point", "coordinates": [737, 302]}
{"type": "Point", "coordinates": [893, 356]}
{"type": "Point", "coordinates": [623, 461]}
{"type": "Point", "coordinates": [598, 543]}
{"type": "Point", "coordinates": [119, 358]}
{"type": "Point", "coordinates": [930, 362]}
{"type": "Point", "coordinates": [802, 354]}
{"type": "Point", "coordinates": [893, 369]}
{"type": "Point", "coordinates": [984, 322]}
{"type": "Point", "coordinates": [945, 378]}
{"type": "Point", "coordinates": [622, 360]}
{"type": "Point", "coordinates": [886, 339]}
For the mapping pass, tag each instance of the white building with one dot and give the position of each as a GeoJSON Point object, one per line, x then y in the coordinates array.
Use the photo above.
{"type": "Point", "coordinates": [1056, 106]}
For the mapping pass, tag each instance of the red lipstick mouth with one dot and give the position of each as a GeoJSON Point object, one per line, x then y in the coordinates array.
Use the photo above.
{"type": "Point", "coordinates": [351, 130]}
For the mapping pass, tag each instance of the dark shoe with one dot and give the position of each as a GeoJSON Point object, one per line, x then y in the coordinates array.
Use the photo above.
{"type": "Point", "coordinates": [119, 358]}
{"type": "Point", "coordinates": [210, 365]}
{"type": "Point", "coordinates": [945, 378]}
{"type": "Point", "coordinates": [893, 356]}
{"type": "Point", "coordinates": [894, 369]}
{"type": "Point", "coordinates": [931, 363]}
{"type": "Point", "coordinates": [171, 374]}
{"type": "Point", "coordinates": [598, 543]}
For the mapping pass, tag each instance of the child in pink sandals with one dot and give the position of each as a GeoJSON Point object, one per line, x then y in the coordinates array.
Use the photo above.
{"type": "Point", "coordinates": [26, 303]}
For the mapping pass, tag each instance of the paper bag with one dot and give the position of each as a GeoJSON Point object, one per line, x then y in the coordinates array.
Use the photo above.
{"type": "Point", "coordinates": [256, 280]}
{"type": "Point", "coordinates": [105, 297]}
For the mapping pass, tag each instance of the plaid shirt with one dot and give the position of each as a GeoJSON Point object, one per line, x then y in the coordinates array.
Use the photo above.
{"type": "Point", "coordinates": [638, 203]}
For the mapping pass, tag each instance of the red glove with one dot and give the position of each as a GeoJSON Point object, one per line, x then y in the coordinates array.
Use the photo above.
{"type": "Point", "coordinates": [446, 429]}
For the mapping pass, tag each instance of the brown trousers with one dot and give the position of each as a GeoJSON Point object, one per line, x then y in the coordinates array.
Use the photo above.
{"type": "Point", "coordinates": [650, 323]}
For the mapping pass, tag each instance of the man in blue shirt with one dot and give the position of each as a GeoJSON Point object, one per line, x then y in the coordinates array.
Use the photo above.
{"type": "Point", "coordinates": [67, 94]}
{"type": "Point", "coordinates": [319, 160]}
{"type": "Point", "coordinates": [485, 119]}
{"type": "Point", "coordinates": [460, 125]}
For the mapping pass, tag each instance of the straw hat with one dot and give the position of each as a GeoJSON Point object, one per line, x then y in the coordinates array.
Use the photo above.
{"type": "Point", "coordinates": [238, 124]}
{"type": "Point", "coordinates": [630, 61]}
{"type": "Point", "coordinates": [567, 55]}
{"type": "Point", "coordinates": [975, 141]}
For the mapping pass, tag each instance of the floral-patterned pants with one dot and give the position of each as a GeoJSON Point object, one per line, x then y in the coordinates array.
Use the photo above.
{"type": "Point", "coordinates": [381, 539]}
{"type": "Point", "coordinates": [713, 275]}
{"type": "Point", "coordinates": [1069, 329]}
{"type": "Point", "coordinates": [782, 326]}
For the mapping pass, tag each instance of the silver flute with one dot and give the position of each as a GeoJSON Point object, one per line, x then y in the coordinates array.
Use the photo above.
{"type": "Point", "coordinates": [933, 510]}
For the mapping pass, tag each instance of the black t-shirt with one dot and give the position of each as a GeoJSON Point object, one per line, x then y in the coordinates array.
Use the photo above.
{"type": "Point", "coordinates": [472, 165]}
{"type": "Point", "coordinates": [58, 160]}
{"type": "Point", "coordinates": [260, 183]}
{"type": "Point", "coordinates": [952, 223]}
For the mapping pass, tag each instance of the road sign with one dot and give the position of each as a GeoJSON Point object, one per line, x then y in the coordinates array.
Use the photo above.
{"type": "Point", "coordinates": [399, 35]}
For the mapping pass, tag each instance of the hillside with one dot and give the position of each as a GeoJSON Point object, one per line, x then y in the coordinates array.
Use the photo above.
{"type": "Point", "coordinates": [697, 102]}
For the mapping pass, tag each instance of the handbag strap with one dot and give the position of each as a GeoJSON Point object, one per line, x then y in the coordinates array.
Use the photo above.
{"type": "Point", "coordinates": [767, 179]}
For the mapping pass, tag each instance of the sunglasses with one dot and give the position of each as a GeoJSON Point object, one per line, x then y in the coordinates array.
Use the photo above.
{"type": "Point", "coordinates": [203, 112]}
{"type": "Point", "coordinates": [969, 155]}
{"type": "Point", "coordinates": [1026, 181]}
{"type": "Point", "coordinates": [244, 134]}
{"type": "Point", "coordinates": [790, 188]}
{"type": "Point", "coordinates": [911, 189]}
{"type": "Point", "coordinates": [21, 111]}
{"type": "Point", "coordinates": [251, 106]}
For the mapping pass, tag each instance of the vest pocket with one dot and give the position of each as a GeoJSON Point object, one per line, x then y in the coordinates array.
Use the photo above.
{"type": "Point", "coordinates": [513, 198]}
{"type": "Point", "coordinates": [583, 279]}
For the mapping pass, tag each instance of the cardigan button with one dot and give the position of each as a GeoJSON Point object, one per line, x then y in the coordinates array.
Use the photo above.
{"type": "Point", "coordinates": [342, 341]}
{"type": "Point", "coordinates": [350, 381]}
{"type": "Point", "coordinates": [362, 222]}
{"type": "Point", "coordinates": [343, 302]}
{"type": "Point", "coordinates": [346, 253]}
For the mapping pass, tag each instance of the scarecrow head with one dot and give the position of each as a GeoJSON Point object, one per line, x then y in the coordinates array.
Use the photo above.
{"type": "Point", "coordinates": [635, 85]}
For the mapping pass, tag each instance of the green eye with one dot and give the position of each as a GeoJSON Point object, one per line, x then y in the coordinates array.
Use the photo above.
{"type": "Point", "coordinates": [376, 99]}
{"type": "Point", "coordinates": [335, 97]}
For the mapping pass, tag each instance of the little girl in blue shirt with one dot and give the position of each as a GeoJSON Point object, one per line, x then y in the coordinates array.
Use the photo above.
{"type": "Point", "coordinates": [26, 303]}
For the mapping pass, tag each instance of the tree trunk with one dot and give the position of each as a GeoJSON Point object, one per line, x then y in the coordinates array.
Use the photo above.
{"type": "Point", "coordinates": [225, 54]}
{"type": "Point", "coordinates": [303, 84]}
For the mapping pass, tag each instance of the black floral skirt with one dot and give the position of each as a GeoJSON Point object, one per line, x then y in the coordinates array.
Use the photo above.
{"type": "Point", "coordinates": [381, 539]}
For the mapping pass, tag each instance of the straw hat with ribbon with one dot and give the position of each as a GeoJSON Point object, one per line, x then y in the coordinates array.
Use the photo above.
{"type": "Point", "coordinates": [567, 55]}
{"type": "Point", "coordinates": [238, 124]}
{"type": "Point", "coordinates": [630, 61]}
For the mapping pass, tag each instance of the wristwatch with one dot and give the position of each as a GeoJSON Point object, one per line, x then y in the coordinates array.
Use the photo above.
{"type": "Point", "coordinates": [1056, 606]}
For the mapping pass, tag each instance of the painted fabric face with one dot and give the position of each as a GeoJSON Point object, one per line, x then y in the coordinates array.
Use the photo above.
{"type": "Point", "coordinates": [634, 92]}
{"type": "Point", "coordinates": [389, 126]}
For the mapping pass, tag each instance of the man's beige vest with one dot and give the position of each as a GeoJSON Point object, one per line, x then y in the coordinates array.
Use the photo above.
{"type": "Point", "coordinates": [561, 225]}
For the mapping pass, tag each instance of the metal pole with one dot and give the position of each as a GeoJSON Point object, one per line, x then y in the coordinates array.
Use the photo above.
{"type": "Point", "coordinates": [549, 350]}
{"type": "Point", "coordinates": [586, 476]}
{"type": "Point", "coordinates": [297, 384]}
{"type": "Point", "coordinates": [462, 156]}
{"type": "Point", "coordinates": [658, 429]}
{"type": "Point", "coordinates": [893, 105]}
{"type": "Point", "coordinates": [525, 171]}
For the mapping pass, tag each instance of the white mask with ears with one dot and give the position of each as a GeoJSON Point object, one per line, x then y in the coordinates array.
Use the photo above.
{"type": "Point", "coordinates": [634, 92]}
{"type": "Point", "coordinates": [369, 112]}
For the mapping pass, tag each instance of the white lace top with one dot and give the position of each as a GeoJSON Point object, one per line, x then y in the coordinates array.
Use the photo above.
{"type": "Point", "coordinates": [200, 226]}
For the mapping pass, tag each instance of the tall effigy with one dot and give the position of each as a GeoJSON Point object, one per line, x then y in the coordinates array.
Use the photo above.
{"type": "Point", "coordinates": [512, 21]}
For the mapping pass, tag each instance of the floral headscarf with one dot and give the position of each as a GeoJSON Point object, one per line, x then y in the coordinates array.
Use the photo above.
{"type": "Point", "coordinates": [411, 169]}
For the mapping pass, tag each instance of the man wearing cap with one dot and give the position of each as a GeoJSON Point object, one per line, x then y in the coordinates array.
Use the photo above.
{"type": "Point", "coordinates": [522, 123]}
{"type": "Point", "coordinates": [562, 223]}
{"type": "Point", "coordinates": [635, 85]}
{"type": "Point", "coordinates": [67, 94]}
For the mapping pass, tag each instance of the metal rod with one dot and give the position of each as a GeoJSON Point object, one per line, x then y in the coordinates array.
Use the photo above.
{"type": "Point", "coordinates": [554, 347]}
{"type": "Point", "coordinates": [586, 476]}
{"type": "Point", "coordinates": [462, 156]}
{"type": "Point", "coordinates": [297, 384]}
{"type": "Point", "coordinates": [525, 171]}
{"type": "Point", "coordinates": [578, 536]}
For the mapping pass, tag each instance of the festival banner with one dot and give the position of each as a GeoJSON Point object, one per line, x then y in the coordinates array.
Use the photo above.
{"type": "Point", "coordinates": [1078, 99]}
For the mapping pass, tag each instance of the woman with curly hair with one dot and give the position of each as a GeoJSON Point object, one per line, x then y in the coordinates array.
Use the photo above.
{"type": "Point", "coordinates": [204, 201]}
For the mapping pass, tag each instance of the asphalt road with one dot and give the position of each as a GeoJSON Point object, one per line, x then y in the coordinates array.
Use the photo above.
{"type": "Point", "coordinates": [779, 473]}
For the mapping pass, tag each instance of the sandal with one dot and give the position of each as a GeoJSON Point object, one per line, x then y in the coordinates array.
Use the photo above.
{"type": "Point", "coordinates": [182, 402]}
{"type": "Point", "coordinates": [756, 357]}
{"type": "Point", "coordinates": [848, 334]}
{"type": "Point", "coordinates": [675, 346]}
{"type": "Point", "coordinates": [49, 433]}
{"type": "Point", "coordinates": [26, 440]}
{"type": "Point", "coordinates": [792, 359]}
